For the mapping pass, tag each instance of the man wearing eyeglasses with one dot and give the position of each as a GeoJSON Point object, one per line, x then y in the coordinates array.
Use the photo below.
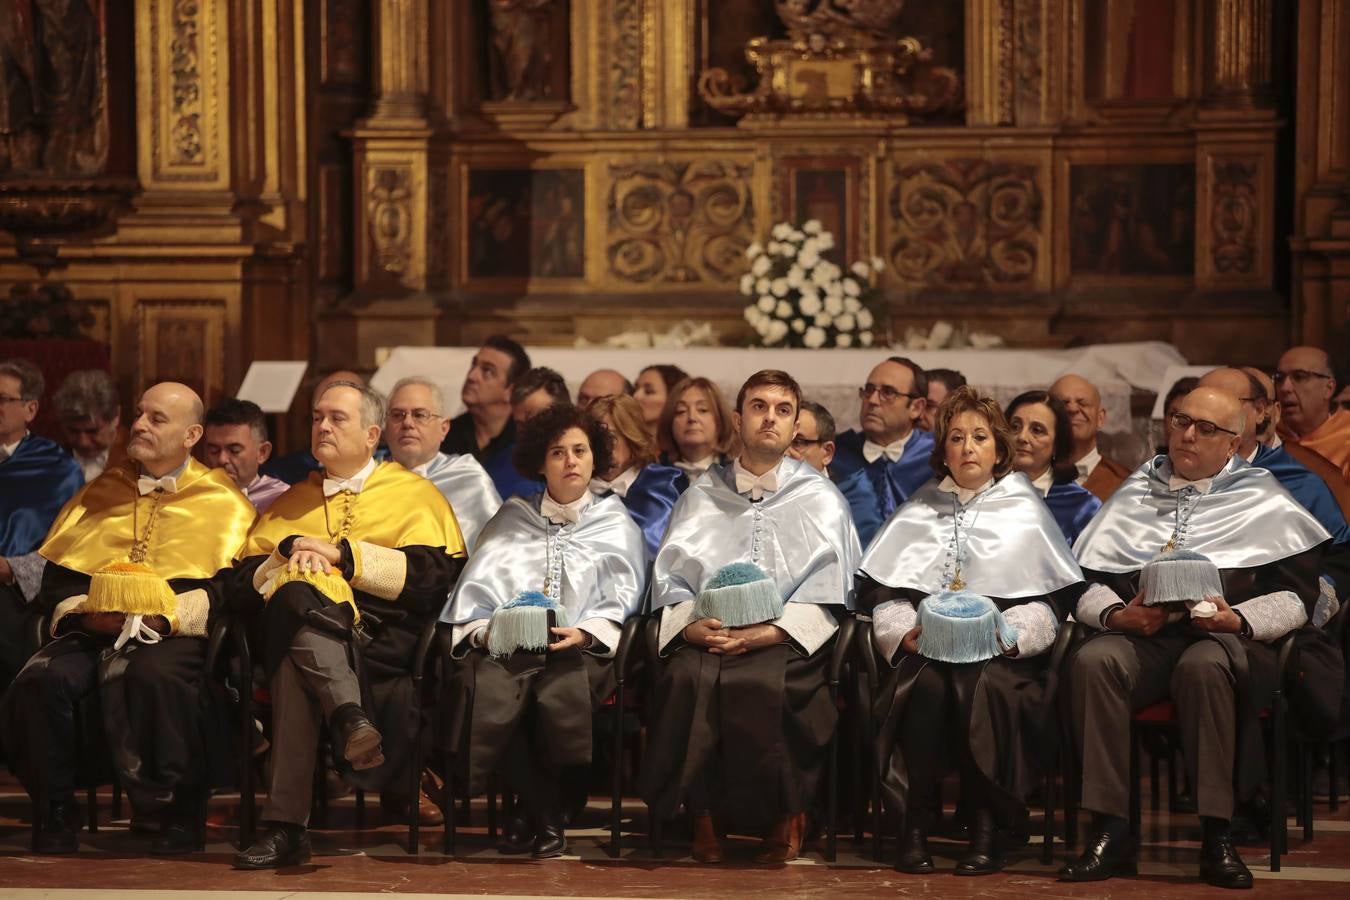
{"type": "Point", "coordinates": [1219, 670]}
{"type": "Point", "coordinates": [1099, 474]}
{"type": "Point", "coordinates": [814, 444]}
{"type": "Point", "coordinates": [1305, 386]}
{"type": "Point", "coordinates": [887, 446]}
{"type": "Point", "coordinates": [415, 425]}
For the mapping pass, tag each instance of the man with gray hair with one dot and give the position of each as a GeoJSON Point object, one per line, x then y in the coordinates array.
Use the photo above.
{"type": "Point", "coordinates": [415, 425]}
{"type": "Point", "coordinates": [90, 414]}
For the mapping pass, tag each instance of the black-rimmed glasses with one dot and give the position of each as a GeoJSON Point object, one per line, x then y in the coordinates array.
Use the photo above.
{"type": "Point", "coordinates": [885, 392]}
{"type": "Point", "coordinates": [1203, 427]}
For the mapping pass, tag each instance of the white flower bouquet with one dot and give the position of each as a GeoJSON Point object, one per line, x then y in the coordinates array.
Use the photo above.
{"type": "Point", "coordinates": [800, 299]}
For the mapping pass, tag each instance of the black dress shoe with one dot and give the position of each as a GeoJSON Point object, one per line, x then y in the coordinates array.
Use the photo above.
{"type": "Point", "coordinates": [1221, 866]}
{"type": "Point", "coordinates": [549, 842]}
{"type": "Point", "coordinates": [280, 845]}
{"type": "Point", "coordinates": [357, 737]}
{"type": "Point", "coordinates": [57, 834]}
{"type": "Point", "coordinates": [982, 858]}
{"type": "Point", "coordinates": [1106, 855]}
{"type": "Point", "coordinates": [176, 838]}
{"type": "Point", "coordinates": [517, 836]}
{"type": "Point", "coordinates": [914, 857]}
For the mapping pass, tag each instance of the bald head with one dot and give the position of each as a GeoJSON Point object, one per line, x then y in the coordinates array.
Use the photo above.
{"type": "Point", "coordinates": [1195, 455]}
{"type": "Point", "coordinates": [1086, 415]}
{"type": "Point", "coordinates": [168, 425]}
{"type": "Point", "coordinates": [602, 383]}
{"type": "Point", "coordinates": [344, 375]}
{"type": "Point", "coordinates": [1270, 420]}
{"type": "Point", "coordinates": [1304, 386]}
{"type": "Point", "coordinates": [1251, 397]}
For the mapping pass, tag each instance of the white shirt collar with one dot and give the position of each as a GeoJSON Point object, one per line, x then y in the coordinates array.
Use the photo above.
{"type": "Point", "coordinates": [7, 450]}
{"type": "Point", "coordinates": [425, 467]}
{"type": "Point", "coordinates": [1045, 481]}
{"type": "Point", "coordinates": [620, 485]}
{"type": "Point", "coordinates": [1176, 483]}
{"type": "Point", "coordinates": [755, 485]}
{"type": "Point", "coordinates": [696, 467]}
{"type": "Point", "coordinates": [332, 486]}
{"type": "Point", "coordinates": [562, 513]}
{"type": "Point", "coordinates": [1275, 442]}
{"type": "Point", "coordinates": [1087, 464]}
{"type": "Point", "coordinates": [167, 483]}
{"type": "Point", "coordinates": [1255, 450]}
{"type": "Point", "coordinates": [873, 451]}
{"type": "Point", "coordinates": [963, 495]}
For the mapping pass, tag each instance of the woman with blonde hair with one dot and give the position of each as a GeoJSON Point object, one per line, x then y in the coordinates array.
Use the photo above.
{"type": "Point", "coordinates": [646, 487]}
{"type": "Point", "coordinates": [696, 429]}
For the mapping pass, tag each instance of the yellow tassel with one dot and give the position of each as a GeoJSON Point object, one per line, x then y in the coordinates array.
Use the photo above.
{"type": "Point", "coordinates": [331, 586]}
{"type": "Point", "coordinates": [129, 588]}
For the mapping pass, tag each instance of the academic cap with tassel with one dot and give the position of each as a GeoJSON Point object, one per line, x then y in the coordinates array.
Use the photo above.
{"type": "Point", "coordinates": [132, 589]}
{"type": "Point", "coordinates": [1181, 576]}
{"type": "Point", "coordinates": [962, 627]}
{"type": "Point", "coordinates": [737, 595]}
{"type": "Point", "coordinates": [522, 624]}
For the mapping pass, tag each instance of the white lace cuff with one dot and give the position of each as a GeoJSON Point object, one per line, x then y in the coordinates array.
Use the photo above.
{"type": "Point", "coordinates": [809, 625]}
{"type": "Point", "coordinates": [674, 619]}
{"type": "Point", "coordinates": [1036, 627]}
{"type": "Point", "coordinates": [469, 635]}
{"type": "Point", "coordinates": [1096, 603]}
{"type": "Point", "coordinates": [891, 621]}
{"type": "Point", "coordinates": [1272, 616]}
{"type": "Point", "coordinates": [606, 634]}
{"type": "Point", "coordinates": [1328, 603]}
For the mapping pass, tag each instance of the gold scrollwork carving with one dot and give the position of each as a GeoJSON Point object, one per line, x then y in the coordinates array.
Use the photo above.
{"type": "Point", "coordinates": [625, 64]}
{"type": "Point", "coordinates": [683, 223]}
{"type": "Point", "coordinates": [1233, 217]}
{"type": "Point", "coordinates": [964, 223]}
{"type": "Point", "coordinates": [186, 83]}
{"type": "Point", "coordinates": [389, 204]}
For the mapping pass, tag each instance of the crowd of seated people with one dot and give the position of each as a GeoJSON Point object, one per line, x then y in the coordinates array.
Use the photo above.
{"type": "Point", "coordinates": [525, 532]}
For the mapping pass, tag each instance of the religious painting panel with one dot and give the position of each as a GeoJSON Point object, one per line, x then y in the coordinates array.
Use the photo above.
{"type": "Point", "coordinates": [525, 50]}
{"type": "Point", "coordinates": [345, 53]}
{"type": "Point", "coordinates": [1131, 220]}
{"type": "Point", "coordinates": [963, 223]}
{"type": "Point", "coordinates": [678, 222]}
{"type": "Point", "coordinates": [183, 340]}
{"type": "Point", "coordinates": [525, 223]}
{"type": "Point", "coordinates": [1135, 52]}
{"type": "Point", "coordinates": [829, 189]}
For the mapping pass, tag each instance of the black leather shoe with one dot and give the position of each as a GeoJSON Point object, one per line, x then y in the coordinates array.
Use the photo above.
{"type": "Point", "coordinates": [176, 838]}
{"type": "Point", "coordinates": [280, 845]}
{"type": "Point", "coordinates": [1106, 856]}
{"type": "Point", "coordinates": [57, 834]}
{"type": "Point", "coordinates": [517, 836]}
{"type": "Point", "coordinates": [1221, 866]}
{"type": "Point", "coordinates": [357, 737]}
{"type": "Point", "coordinates": [982, 858]}
{"type": "Point", "coordinates": [914, 857]}
{"type": "Point", "coordinates": [549, 843]}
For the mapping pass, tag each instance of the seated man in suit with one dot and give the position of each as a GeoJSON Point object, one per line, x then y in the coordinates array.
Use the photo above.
{"type": "Point", "coordinates": [1100, 474]}
{"type": "Point", "coordinates": [814, 444]}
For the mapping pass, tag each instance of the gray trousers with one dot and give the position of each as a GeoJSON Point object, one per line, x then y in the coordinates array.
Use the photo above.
{"type": "Point", "coordinates": [1115, 675]}
{"type": "Point", "coordinates": [313, 680]}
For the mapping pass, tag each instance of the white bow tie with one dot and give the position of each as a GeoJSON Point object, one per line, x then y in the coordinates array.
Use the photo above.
{"type": "Point", "coordinates": [147, 485]}
{"type": "Point", "coordinates": [558, 513]}
{"type": "Point", "coordinates": [756, 486]}
{"type": "Point", "coordinates": [334, 486]}
{"type": "Point", "coordinates": [1177, 483]}
{"type": "Point", "coordinates": [602, 487]}
{"type": "Point", "coordinates": [874, 451]}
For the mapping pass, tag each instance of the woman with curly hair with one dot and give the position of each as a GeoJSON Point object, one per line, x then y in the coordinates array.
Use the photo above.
{"type": "Point", "coordinates": [1043, 451]}
{"type": "Point", "coordinates": [967, 584]}
{"type": "Point", "coordinates": [696, 430]}
{"type": "Point", "coordinates": [646, 487]}
{"type": "Point", "coordinates": [537, 614]}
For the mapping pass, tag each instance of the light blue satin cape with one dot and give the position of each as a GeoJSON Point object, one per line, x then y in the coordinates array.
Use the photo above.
{"type": "Point", "coordinates": [466, 484]}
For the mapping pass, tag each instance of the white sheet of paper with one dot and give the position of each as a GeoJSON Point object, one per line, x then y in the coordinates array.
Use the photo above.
{"type": "Point", "coordinates": [1171, 375]}
{"type": "Point", "coordinates": [272, 383]}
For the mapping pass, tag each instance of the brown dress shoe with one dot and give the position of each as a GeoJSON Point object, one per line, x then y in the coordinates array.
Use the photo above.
{"type": "Point", "coordinates": [396, 807]}
{"type": "Point", "coordinates": [707, 844]}
{"type": "Point", "coordinates": [783, 843]}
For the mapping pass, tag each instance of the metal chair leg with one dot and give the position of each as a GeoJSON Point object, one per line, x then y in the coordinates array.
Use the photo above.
{"type": "Point", "coordinates": [91, 801]}
{"type": "Point", "coordinates": [448, 803]}
{"type": "Point", "coordinates": [1279, 821]}
{"type": "Point", "coordinates": [1136, 815]}
{"type": "Point", "coordinates": [360, 796]}
{"type": "Point", "coordinates": [616, 797]}
{"type": "Point", "coordinates": [116, 799]}
{"type": "Point", "coordinates": [1048, 798]}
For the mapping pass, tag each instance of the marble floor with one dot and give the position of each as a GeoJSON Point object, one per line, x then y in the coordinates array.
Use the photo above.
{"type": "Point", "coordinates": [350, 863]}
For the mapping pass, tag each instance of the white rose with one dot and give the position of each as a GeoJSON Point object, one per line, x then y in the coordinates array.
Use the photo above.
{"type": "Point", "coordinates": [810, 244]}
{"type": "Point", "coordinates": [824, 320]}
{"type": "Point", "coordinates": [761, 265]}
{"type": "Point", "coordinates": [778, 330]}
{"type": "Point", "coordinates": [865, 318]}
{"type": "Point", "coordinates": [762, 286]}
{"type": "Point", "coordinates": [843, 340]}
{"type": "Point", "coordinates": [762, 326]}
{"type": "Point", "coordinates": [799, 325]}
{"type": "Point", "coordinates": [865, 338]}
{"type": "Point", "coordinates": [796, 277]}
{"type": "Point", "coordinates": [766, 304]}
{"type": "Point", "coordinates": [833, 270]}
{"type": "Point", "coordinates": [851, 287]}
{"type": "Point", "coordinates": [844, 322]}
{"type": "Point", "coordinates": [755, 249]}
{"type": "Point", "coordinates": [814, 337]}
{"type": "Point", "coordinates": [813, 226]}
{"type": "Point", "coordinates": [808, 258]}
{"type": "Point", "coordinates": [781, 231]}
{"type": "Point", "coordinates": [834, 305]}
{"type": "Point", "coordinates": [810, 304]}
{"type": "Point", "coordinates": [779, 287]}
{"type": "Point", "coordinates": [752, 314]}
{"type": "Point", "coordinates": [747, 284]}
{"type": "Point", "coordinates": [783, 310]}
{"type": "Point", "coordinates": [796, 237]}
{"type": "Point", "coordinates": [826, 241]}
{"type": "Point", "coordinates": [860, 269]}
{"type": "Point", "coordinates": [772, 248]}
{"type": "Point", "coordinates": [821, 275]}
{"type": "Point", "coordinates": [852, 304]}
{"type": "Point", "coordinates": [878, 263]}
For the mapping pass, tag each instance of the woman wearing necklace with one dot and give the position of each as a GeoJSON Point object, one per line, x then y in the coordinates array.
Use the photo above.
{"type": "Point", "coordinates": [1042, 446]}
{"type": "Point", "coordinates": [977, 529]}
{"type": "Point", "coordinates": [537, 615]}
{"type": "Point", "coordinates": [648, 489]}
{"type": "Point", "coordinates": [696, 430]}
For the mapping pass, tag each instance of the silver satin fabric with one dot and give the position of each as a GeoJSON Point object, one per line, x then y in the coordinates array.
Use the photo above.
{"type": "Point", "coordinates": [1247, 519]}
{"type": "Point", "coordinates": [1013, 548]}
{"type": "Point", "coordinates": [466, 484]}
{"type": "Point", "coordinates": [808, 544]}
{"type": "Point", "coordinates": [604, 568]}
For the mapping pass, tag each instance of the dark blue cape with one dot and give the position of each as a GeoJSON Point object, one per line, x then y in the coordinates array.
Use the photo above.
{"type": "Point", "coordinates": [650, 499]}
{"type": "Point", "coordinates": [1308, 489]}
{"type": "Point", "coordinates": [892, 482]}
{"type": "Point", "coordinates": [34, 484]}
{"type": "Point", "coordinates": [862, 501]}
{"type": "Point", "coordinates": [292, 468]}
{"type": "Point", "coordinates": [506, 479]}
{"type": "Point", "coordinates": [1073, 506]}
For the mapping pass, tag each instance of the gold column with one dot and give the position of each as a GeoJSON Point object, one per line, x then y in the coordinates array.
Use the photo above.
{"type": "Point", "coordinates": [990, 77]}
{"type": "Point", "coordinates": [1238, 71]}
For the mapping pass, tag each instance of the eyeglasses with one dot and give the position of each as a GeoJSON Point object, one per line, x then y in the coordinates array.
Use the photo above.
{"type": "Point", "coordinates": [1300, 376]}
{"type": "Point", "coordinates": [420, 416]}
{"type": "Point", "coordinates": [801, 443]}
{"type": "Point", "coordinates": [1204, 428]}
{"type": "Point", "coordinates": [885, 392]}
{"type": "Point", "coordinates": [5, 399]}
